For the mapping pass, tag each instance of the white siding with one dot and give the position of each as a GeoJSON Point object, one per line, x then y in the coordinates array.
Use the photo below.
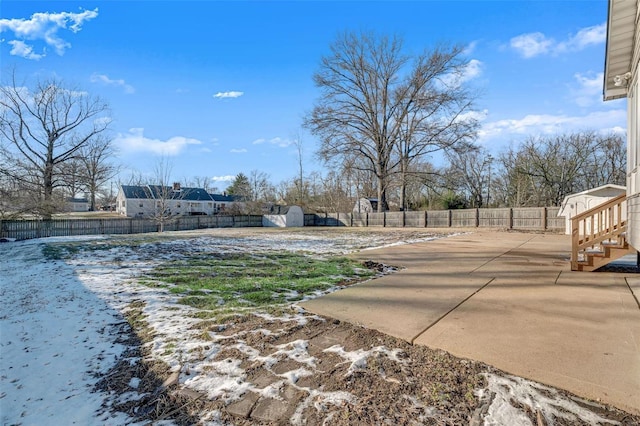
{"type": "Point", "coordinates": [633, 143]}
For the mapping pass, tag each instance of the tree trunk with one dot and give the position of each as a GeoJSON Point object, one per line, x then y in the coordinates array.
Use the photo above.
{"type": "Point", "coordinates": [48, 185]}
{"type": "Point", "coordinates": [92, 205]}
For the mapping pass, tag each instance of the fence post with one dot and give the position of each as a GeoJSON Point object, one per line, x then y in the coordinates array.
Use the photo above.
{"type": "Point", "coordinates": [510, 217]}
{"type": "Point", "coordinates": [366, 219]}
{"type": "Point", "coordinates": [544, 219]}
{"type": "Point", "coordinates": [426, 218]}
{"type": "Point", "coordinates": [477, 217]}
{"type": "Point", "coordinates": [450, 218]}
{"type": "Point", "coordinates": [384, 219]}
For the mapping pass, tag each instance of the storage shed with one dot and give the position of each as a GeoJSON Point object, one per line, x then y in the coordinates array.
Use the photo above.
{"type": "Point", "coordinates": [367, 205]}
{"type": "Point", "coordinates": [575, 204]}
{"type": "Point", "coordinates": [283, 216]}
{"type": "Point", "coordinates": [77, 204]}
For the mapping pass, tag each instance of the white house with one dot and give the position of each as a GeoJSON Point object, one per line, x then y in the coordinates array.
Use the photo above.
{"type": "Point", "coordinates": [621, 80]}
{"type": "Point", "coordinates": [283, 216]}
{"type": "Point", "coordinates": [144, 200]}
{"type": "Point", "coordinates": [222, 202]}
{"type": "Point", "coordinates": [577, 203]}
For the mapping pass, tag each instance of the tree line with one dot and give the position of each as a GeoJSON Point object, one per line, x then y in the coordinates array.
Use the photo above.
{"type": "Point", "coordinates": [381, 118]}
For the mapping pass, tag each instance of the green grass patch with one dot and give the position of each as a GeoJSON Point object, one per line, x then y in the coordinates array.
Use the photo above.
{"type": "Point", "coordinates": [220, 282]}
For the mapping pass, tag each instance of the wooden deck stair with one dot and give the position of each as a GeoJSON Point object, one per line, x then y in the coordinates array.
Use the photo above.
{"type": "Point", "coordinates": [598, 236]}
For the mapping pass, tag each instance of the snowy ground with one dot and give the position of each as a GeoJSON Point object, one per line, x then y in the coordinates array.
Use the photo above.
{"type": "Point", "coordinates": [62, 327]}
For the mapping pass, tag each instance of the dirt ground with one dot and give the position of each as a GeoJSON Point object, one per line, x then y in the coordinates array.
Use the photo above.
{"type": "Point", "coordinates": [290, 367]}
{"type": "Point", "coordinates": [343, 375]}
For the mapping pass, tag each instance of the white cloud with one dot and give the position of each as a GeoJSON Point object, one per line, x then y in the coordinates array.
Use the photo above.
{"type": "Point", "coordinates": [533, 44]}
{"type": "Point", "coordinates": [588, 90]}
{"type": "Point", "coordinates": [103, 121]}
{"type": "Point", "coordinates": [583, 38]}
{"type": "Point", "coordinates": [473, 115]}
{"type": "Point", "coordinates": [224, 95]}
{"type": "Point", "coordinates": [277, 141]}
{"type": "Point", "coordinates": [535, 124]}
{"type": "Point", "coordinates": [470, 48]}
{"type": "Point", "coordinates": [20, 48]}
{"type": "Point", "coordinates": [472, 70]}
{"type": "Point", "coordinates": [135, 141]}
{"type": "Point", "coordinates": [238, 151]}
{"type": "Point", "coordinates": [101, 78]}
{"type": "Point", "coordinates": [43, 27]}
{"type": "Point", "coordinates": [226, 178]}
{"type": "Point", "coordinates": [282, 143]}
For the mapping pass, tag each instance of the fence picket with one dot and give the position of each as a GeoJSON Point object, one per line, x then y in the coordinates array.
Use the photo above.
{"type": "Point", "coordinates": [529, 218]}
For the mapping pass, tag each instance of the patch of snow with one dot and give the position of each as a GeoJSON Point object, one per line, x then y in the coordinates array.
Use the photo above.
{"type": "Point", "coordinates": [57, 338]}
{"type": "Point", "coordinates": [548, 401]}
{"type": "Point", "coordinates": [60, 321]}
{"type": "Point", "coordinates": [294, 375]}
{"type": "Point", "coordinates": [320, 400]}
{"type": "Point", "coordinates": [358, 358]}
{"type": "Point", "coordinates": [219, 379]}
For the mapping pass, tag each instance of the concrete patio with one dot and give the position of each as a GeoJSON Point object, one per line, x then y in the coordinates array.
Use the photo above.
{"type": "Point", "coordinates": [510, 300]}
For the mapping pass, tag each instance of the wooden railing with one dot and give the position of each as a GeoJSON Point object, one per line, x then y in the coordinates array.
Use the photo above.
{"type": "Point", "coordinates": [597, 230]}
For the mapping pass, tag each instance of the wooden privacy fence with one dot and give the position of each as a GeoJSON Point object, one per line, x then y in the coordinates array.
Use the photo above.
{"type": "Point", "coordinates": [524, 218]}
{"type": "Point", "coordinates": [529, 219]}
{"type": "Point", "coordinates": [27, 229]}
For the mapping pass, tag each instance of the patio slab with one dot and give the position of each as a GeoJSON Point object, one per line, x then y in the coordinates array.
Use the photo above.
{"type": "Point", "coordinates": [510, 300]}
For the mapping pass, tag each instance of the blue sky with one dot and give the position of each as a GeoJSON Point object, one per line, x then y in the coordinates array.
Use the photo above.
{"type": "Point", "coordinates": [221, 87]}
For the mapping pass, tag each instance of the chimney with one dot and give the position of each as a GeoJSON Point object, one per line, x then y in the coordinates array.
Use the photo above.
{"type": "Point", "coordinates": [176, 186]}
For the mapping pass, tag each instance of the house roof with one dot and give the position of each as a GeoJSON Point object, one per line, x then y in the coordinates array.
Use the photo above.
{"type": "Point", "coordinates": [158, 192]}
{"type": "Point", "coordinates": [223, 198]}
{"type": "Point", "coordinates": [609, 190]}
{"type": "Point", "coordinates": [602, 188]}
{"type": "Point", "coordinates": [187, 194]}
{"type": "Point", "coordinates": [621, 23]}
{"type": "Point", "coordinates": [136, 191]}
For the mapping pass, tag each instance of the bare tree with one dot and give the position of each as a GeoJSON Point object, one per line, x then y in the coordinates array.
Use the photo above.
{"type": "Point", "coordinates": [261, 189]}
{"type": "Point", "coordinates": [433, 112]}
{"type": "Point", "coordinates": [472, 170]}
{"type": "Point", "coordinates": [71, 176]}
{"type": "Point", "coordinates": [135, 178]}
{"type": "Point", "coordinates": [203, 182]}
{"type": "Point", "coordinates": [543, 170]}
{"type": "Point", "coordinates": [45, 128]}
{"type": "Point", "coordinates": [297, 142]}
{"type": "Point", "coordinates": [609, 162]}
{"type": "Point", "coordinates": [375, 104]}
{"type": "Point", "coordinates": [97, 168]}
{"type": "Point", "coordinates": [164, 193]}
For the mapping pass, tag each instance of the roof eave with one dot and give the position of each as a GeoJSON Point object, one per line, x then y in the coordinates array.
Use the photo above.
{"type": "Point", "coordinates": [621, 19]}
